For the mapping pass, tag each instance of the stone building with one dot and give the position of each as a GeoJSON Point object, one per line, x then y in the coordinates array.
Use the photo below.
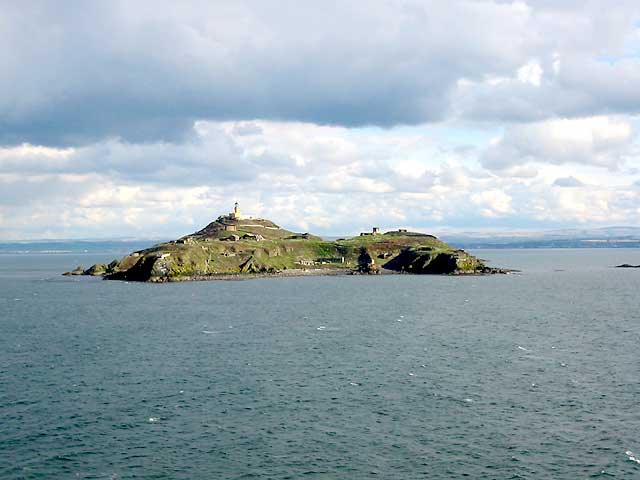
{"type": "Point", "coordinates": [374, 231]}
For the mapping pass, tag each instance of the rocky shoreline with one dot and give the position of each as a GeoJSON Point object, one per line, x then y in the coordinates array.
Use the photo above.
{"type": "Point", "coordinates": [338, 272]}
{"type": "Point", "coordinates": [293, 273]}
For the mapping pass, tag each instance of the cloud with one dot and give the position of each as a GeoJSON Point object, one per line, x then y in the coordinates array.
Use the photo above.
{"type": "Point", "coordinates": [246, 128]}
{"type": "Point", "coordinates": [330, 180]}
{"type": "Point", "coordinates": [588, 206]}
{"type": "Point", "coordinates": [599, 141]}
{"type": "Point", "coordinates": [570, 85]}
{"type": "Point", "coordinates": [568, 182]}
{"type": "Point", "coordinates": [150, 118]}
{"type": "Point", "coordinates": [530, 73]}
{"type": "Point", "coordinates": [495, 203]}
{"type": "Point", "coordinates": [81, 72]}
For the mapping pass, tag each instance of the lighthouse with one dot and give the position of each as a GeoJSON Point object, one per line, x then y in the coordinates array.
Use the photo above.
{"type": "Point", "coordinates": [236, 212]}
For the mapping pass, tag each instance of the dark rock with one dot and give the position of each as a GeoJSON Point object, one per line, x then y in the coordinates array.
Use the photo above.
{"type": "Point", "coordinates": [424, 261]}
{"type": "Point", "coordinates": [251, 265]}
{"type": "Point", "coordinates": [145, 269]}
{"type": "Point", "coordinates": [366, 264]}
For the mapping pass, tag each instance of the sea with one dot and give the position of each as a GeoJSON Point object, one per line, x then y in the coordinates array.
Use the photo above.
{"type": "Point", "coordinates": [534, 375]}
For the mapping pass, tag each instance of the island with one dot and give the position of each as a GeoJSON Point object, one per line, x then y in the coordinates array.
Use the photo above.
{"type": "Point", "coordinates": [234, 246]}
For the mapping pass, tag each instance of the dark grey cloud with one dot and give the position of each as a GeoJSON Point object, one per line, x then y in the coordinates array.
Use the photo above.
{"type": "Point", "coordinates": [75, 72]}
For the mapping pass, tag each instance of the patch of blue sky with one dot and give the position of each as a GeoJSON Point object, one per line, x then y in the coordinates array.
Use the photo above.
{"type": "Point", "coordinates": [631, 52]}
{"type": "Point", "coordinates": [449, 134]}
{"type": "Point", "coordinates": [463, 135]}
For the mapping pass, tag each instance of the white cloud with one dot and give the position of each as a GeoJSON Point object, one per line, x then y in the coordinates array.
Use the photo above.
{"type": "Point", "coordinates": [347, 180]}
{"type": "Point", "coordinates": [494, 203]}
{"type": "Point", "coordinates": [600, 141]}
{"type": "Point", "coordinates": [530, 73]}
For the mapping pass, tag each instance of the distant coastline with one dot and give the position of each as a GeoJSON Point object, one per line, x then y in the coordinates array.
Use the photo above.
{"type": "Point", "coordinates": [491, 244]}
{"type": "Point", "coordinates": [611, 237]}
{"type": "Point", "coordinates": [121, 247]}
{"type": "Point", "coordinates": [58, 247]}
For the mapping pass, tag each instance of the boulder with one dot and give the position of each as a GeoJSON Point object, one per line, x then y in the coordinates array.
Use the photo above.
{"type": "Point", "coordinates": [366, 264]}
{"type": "Point", "coordinates": [79, 270]}
{"type": "Point", "coordinates": [96, 270]}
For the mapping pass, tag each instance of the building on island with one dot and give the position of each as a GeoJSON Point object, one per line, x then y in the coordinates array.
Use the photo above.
{"type": "Point", "coordinates": [236, 215]}
{"type": "Point", "coordinates": [374, 231]}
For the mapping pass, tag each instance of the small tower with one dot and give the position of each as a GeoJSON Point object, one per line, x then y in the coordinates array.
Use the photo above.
{"type": "Point", "coordinates": [236, 212]}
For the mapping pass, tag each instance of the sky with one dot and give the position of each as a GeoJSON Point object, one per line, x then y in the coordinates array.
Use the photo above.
{"type": "Point", "coordinates": [149, 119]}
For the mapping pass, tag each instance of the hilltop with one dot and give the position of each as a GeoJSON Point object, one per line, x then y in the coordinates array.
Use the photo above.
{"type": "Point", "coordinates": [235, 246]}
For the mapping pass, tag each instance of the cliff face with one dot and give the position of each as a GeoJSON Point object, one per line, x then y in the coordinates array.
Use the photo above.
{"type": "Point", "coordinates": [228, 247]}
{"type": "Point", "coordinates": [427, 260]}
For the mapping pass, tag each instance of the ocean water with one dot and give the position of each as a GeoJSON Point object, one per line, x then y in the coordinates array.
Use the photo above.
{"type": "Point", "coordinates": [528, 376]}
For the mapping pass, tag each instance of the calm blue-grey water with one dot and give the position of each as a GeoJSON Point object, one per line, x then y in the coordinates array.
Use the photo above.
{"type": "Point", "coordinates": [532, 376]}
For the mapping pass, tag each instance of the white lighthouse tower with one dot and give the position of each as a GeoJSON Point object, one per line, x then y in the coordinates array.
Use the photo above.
{"type": "Point", "coordinates": [236, 215]}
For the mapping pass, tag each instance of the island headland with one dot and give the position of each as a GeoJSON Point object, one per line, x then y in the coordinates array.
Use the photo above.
{"type": "Point", "coordinates": [234, 246]}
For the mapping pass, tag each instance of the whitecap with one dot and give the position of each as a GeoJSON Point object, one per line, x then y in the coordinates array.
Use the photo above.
{"type": "Point", "coordinates": [322, 327]}
{"type": "Point", "coordinates": [631, 456]}
{"type": "Point", "coordinates": [208, 331]}
{"type": "Point", "coordinates": [522, 348]}
{"type": "Point", "coordinates": [153, 419]}
{"type": "Point", "coordinates": [411, 374]}
{"type": "Point", "coordinates": [468, 400]}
